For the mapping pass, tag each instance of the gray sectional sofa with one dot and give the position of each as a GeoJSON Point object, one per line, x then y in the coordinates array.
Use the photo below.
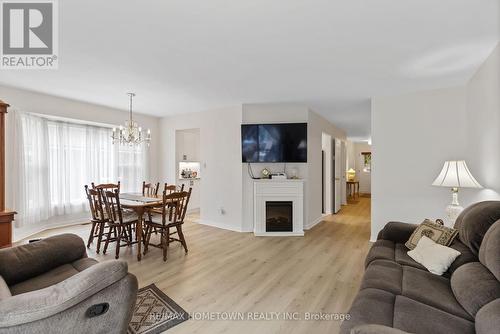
{"type": "Point", "coordinates": [398, 295]}
{"type": "Point", "coordinates": [51, 286]}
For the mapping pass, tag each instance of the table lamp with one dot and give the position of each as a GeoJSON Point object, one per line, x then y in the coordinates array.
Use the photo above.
{"type": "Point", "coordinates": [351, 174]}
{"type": "Point", "coordinates": [455, 175]}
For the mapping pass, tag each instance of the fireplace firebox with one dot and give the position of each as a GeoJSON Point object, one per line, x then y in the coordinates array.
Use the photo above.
{"type": "Point", "coordinates": [279, 216]}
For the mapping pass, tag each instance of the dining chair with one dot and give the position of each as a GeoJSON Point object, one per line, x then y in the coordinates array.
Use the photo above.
{"type": "Point", "coordinates": [150, 189]}
{"type": "Point", "coordinates": [120, 223]}
{"type": "Point", "coordinates": [173, 211]}
{"type": "Point", "coordinates": [98, 219]}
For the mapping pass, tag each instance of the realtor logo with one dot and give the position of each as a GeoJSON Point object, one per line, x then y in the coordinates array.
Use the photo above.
{"type": "Point", "coordinates": [29, 34]}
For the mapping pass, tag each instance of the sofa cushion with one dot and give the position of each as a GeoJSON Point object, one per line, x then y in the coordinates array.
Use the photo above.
{"type": "Point", "coordinates": [413, 283]}
{"type": "Point", "coordinates": [30, 260]}
{"type": "Point", "coordinates": [432, 290]}
{"type": "Point", "coordinates": [415, 317]}
{"type": "Point", "coordinates": [487, 319]}
{"type": "Point", "coordinates": [473, 223]}
{"type": "Point", "coordinates": [489, 253]}
{"type": "Point", "coordinates": [388, 250]}
{"type": "Point", "coordinates": [474, 286]}
{"type": "Point", "coordinates": [4, 290]}
{"type": "Point", "coordinates": [371, 306]}
{"type": "Point", "coordinates": [465, 256]}
{"type": "Point", "coordinates": [397, 232]}
{"type": "Point", "coordinates": [385, 275]}
{"type": "Point", "coordinates": [52, 277]}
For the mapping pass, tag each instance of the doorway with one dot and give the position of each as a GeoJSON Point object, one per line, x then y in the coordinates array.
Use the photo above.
{"type": "Point", "coordinates": [188, 167]}
{"type": "Point", "coordinates": [327, 167]}
{"type": "Point", "coordinates": [359, 166]}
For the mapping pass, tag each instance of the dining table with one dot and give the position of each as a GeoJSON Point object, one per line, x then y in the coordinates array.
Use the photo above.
{"type": "Point", "coordinates": [139, 203]}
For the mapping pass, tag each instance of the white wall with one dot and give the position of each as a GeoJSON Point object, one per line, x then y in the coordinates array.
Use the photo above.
{"type": "Point", "coordinates": [326, 141]}
{"type": "Point", "coordinates": [316, 126]}
{"type": "Point", "coordinates": [351, 156]}
{"type": "Point", "coordinates": [220, 157]}
{"type": "Point", "coordinates": [412, 135]}
{"type": "Point", "coordinates": [483, 129]}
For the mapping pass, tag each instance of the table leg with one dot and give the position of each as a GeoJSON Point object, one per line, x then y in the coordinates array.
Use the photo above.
{"type": "Point", "coordinates": [138, 231]}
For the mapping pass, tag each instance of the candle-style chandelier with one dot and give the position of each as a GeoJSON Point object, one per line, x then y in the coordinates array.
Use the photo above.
{"type": "Point", "coordinates": [130, 134]}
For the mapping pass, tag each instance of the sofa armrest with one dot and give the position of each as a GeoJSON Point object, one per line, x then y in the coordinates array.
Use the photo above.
{"type": "Point", "coordinates": [376, 329]}
{"type": "Point", "coordinates": [17, 264]}
{"type": "Point", "coordinates": [41, 304]}
{"type": "Point", "coordinates": [397, 232]}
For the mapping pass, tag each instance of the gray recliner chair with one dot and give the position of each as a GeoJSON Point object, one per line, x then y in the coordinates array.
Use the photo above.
{"type": "Point", "coordinates": [51, 286]}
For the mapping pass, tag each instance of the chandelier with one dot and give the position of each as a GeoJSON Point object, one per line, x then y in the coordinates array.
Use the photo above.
{"type": "Point", "coordinates": [130, 134]}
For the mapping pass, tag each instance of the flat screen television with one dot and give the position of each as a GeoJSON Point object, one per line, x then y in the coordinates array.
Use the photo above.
{"type": "Point", "coordinates": [274, 142]}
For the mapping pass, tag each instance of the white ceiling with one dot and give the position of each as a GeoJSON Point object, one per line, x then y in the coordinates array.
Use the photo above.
{"type": "Point", "coordinates": [187, 56]}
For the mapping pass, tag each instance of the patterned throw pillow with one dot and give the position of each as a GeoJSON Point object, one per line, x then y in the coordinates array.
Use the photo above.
{"type": "Point", "coordinates": [438, 233]}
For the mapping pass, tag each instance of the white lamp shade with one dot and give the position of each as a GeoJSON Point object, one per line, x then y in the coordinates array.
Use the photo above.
{"type": "Point", "coordinates": [456, 174]}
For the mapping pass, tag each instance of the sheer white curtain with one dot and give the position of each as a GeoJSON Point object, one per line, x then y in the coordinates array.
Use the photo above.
{"type": "Point", "coordinates": [57, 158]}
{"type": "Point", "coordinates": [32, 173]}
{"type": "Point", "coordinates": [132, 166]}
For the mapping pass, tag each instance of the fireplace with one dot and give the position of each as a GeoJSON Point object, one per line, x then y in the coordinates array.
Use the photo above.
{"type": "Point", "coordinates": [279, 217]}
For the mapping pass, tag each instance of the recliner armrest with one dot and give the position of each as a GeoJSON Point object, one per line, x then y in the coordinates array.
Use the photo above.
{"type": "Point", "coordinates": [397, 232]}
{"type": "Point", "coordinates": [41, 304]}
{"type": "Point", "coordinates": [376, 329]}
{"type": "Point", "coordinates": [23, 262]}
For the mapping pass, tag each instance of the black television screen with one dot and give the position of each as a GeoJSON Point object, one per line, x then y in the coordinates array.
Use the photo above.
{"type": "Point", "coordinates": [274, 142]}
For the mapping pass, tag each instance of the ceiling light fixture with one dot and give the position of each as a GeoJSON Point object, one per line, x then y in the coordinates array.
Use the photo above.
{"type": "Point", "coordinates": [130, 134]}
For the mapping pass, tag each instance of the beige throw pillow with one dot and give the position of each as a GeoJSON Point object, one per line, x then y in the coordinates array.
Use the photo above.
{"type": "Point", "coordinates": [440, 234]}
{"type": "Point", "coordinates": [435, 257]}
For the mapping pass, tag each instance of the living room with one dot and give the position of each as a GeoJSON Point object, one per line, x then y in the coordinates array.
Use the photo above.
{"type": "Point", "coordinates": [264, 167]}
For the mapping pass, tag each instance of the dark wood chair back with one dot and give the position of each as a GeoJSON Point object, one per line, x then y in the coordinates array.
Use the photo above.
{"type": "Point", "coordinates": [172, 188]}
{"type": "Point", "coordinates": [184, 204]}
{"type": "Point", "coordinates": [95, 203]}
{"type": "Point", "coordinates": [112, 204]}
{"type": "Point", "coordinates": [150, 189]}
{"type": "Point", "coordinates": [107, 186]}
{"type": "Point", "coordinates": [171, 207]}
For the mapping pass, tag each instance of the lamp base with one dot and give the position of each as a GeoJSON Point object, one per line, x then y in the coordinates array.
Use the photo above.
{"type": "Point", "coordinates": [452, 213]}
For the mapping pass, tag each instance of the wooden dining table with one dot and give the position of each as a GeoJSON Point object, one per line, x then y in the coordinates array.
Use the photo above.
{"type": "Point", "coordinates": [139, 204]}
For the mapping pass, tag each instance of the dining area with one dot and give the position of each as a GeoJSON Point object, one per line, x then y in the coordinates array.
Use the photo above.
{"type": "Point", "coordinates": [151, 218]}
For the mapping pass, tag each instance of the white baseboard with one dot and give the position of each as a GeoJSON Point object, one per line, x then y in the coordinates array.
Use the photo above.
{"type": "Point", "coordinates": [279, 234]}
{"type": "Point", "coordinates": [217, 224]}
{"type": "Point", "coordinates": [315, 222]}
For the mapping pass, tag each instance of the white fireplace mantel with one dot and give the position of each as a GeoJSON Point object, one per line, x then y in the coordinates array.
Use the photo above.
{"type": "Point", "coordinates": [278, 190]}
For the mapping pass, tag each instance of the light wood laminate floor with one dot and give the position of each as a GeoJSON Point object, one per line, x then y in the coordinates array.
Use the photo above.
{"type": "Point", "coordinates": [227, 271]}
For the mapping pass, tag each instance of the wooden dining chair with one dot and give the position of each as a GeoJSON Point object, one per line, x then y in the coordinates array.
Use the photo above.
{"type": "Point", "coordinates": [150, 189]}
{"type": "Point", "coordinates": [173, 209]}
{"type": "Point", "coordinates": [98, 219]}
{"type": "Point", "coordinates": [120, 223]}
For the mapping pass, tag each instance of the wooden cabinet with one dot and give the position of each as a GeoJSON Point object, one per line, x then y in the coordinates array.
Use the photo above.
{"type": "Point", "coordinates": [6, 216]}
